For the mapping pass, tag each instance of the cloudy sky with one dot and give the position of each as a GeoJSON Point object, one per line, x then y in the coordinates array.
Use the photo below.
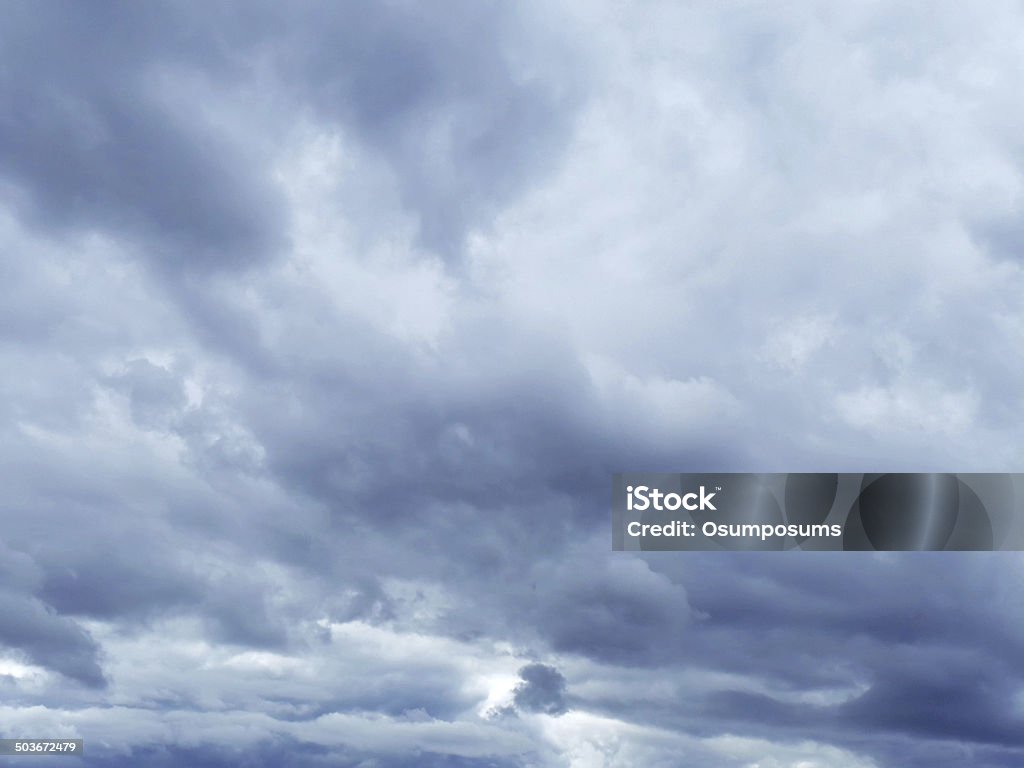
{"type": "Point", "coordinates": [323, 327]}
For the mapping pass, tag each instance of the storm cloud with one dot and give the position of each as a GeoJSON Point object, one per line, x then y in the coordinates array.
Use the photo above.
{"type": "Point", "coordinates": [324, 326]}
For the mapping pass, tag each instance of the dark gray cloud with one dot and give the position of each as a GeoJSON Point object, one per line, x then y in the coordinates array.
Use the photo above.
{"type": "Point", "coordinates": [49, 639]}
{"type": "Point", "coordinates": [88, 143]}
{"type": "Point", "coordinates": [286, 755]}
{"type": "Point", "coordinates": [441, 102]}
{"type": "Point", "coordinates": [542, 690]}
{"type": "Point", "coordinates": [616, 610]}
{"type": "Point", "coordinates": [99, 135]}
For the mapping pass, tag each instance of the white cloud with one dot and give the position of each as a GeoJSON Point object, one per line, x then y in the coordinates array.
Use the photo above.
{"type": "Point", "coordinates": [909, 406]}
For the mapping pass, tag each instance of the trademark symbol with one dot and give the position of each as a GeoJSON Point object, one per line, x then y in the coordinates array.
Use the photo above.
{"type": "Point", "coordinates": [718, 487]}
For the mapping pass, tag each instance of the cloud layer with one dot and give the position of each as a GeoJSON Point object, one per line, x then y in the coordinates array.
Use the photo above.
{"type": "Point", "coordinates": [324, 328]}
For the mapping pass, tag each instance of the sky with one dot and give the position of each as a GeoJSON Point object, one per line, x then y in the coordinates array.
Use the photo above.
{"type": "Point", "coordinates": [324, 326]}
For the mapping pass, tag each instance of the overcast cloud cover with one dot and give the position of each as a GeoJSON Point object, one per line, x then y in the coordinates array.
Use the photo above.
{"type": "Point", "coordinates": [324, 325]}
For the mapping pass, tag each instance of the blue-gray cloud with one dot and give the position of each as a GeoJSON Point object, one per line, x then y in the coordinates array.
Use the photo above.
{"type": "Point", "coordinates": [325, 326]}
{"type": "Point", "coordinates": [542, 690]}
